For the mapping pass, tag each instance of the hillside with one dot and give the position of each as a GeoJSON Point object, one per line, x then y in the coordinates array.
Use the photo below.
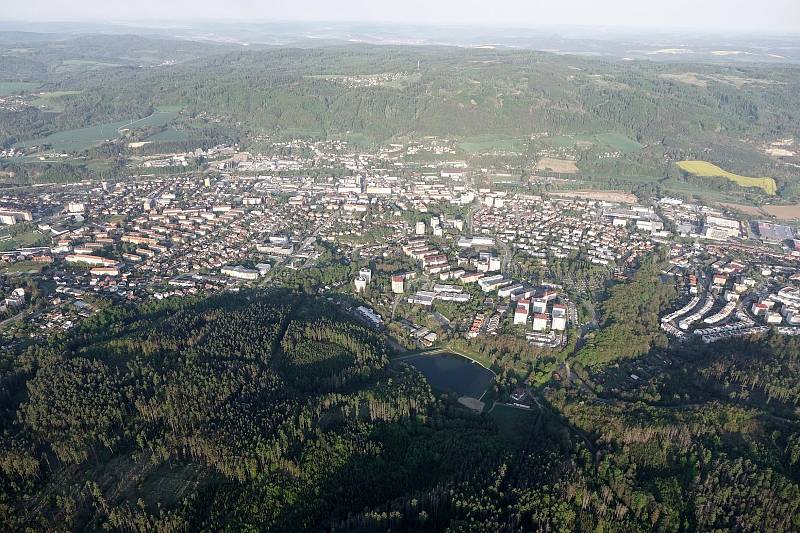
{"type": "Point", "coordinates": [675, 110]}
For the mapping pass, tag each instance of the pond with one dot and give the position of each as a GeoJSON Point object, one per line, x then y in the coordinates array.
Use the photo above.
{"type": "Point", "coordinates": [453, 373]}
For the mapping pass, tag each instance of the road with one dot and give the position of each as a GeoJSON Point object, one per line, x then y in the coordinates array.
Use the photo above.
{"type": "Point", "coordinates": [14, 318]}
{"type": "Point", "coordinates": [505, 260]}
{"type": "Point", "coordinates": [308, 241]}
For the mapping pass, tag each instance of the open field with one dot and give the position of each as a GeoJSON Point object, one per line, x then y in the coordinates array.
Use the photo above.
{"type": "Point", "coordinates": [584, 140]}
{"type": "Point", "coordinates": [13, 87]}
{"type": "Point", "coordinates": [568, 141]}
{"type": "Point", "coordinates": [562, 166]}
{"type": "Point", "coordinates": [620, 142]}
{"type": "Point", "coordinates": [489, 143]}
{"type": "Point", "coordinates": [52, 101]}
{"type": "Point", "coordinates": [745, 209]}
{"type": "Point", "coordinates": [621, 197]}
{"type": "Point", "coordinates": [709, 170]}
{"type": "Point", "coordinates": [84, 138]}
{"type": "Point", "coordinates": [783, 212]}
{"type": "Point", "coordinates": [21, 267]}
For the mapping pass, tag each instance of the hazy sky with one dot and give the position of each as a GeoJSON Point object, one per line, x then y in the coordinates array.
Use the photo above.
{"type": "Point", "coordinates": [754, 15]}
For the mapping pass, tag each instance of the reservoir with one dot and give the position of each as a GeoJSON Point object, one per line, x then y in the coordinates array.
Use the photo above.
{"type": "Point", "coordinates": [453, 373]}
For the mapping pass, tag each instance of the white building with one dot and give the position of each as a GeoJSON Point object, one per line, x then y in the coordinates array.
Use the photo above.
{"type": "Point", "coordinates": [239, 272]}
{"type": "Point", "coordinates": [398, 283]}
{"type": "Point", "coordinates": [539, 322]}
{"type": "Point", "coordinates": [361, 284]}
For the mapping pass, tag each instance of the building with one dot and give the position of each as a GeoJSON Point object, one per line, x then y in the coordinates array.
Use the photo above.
{"type": "Point", "coordinates": [398, 283]}
{"type": "Point", "coordinates": [774, 232]}
{"type": "Point", "coordinates": [239, 272]}
{"type": "Point", "coordinates": [422, 298]}
{"type": "Point", "coordinates": [9, 217]}
{"type": "Point", "coordinates": [371, 316]}
{"type": "Point", "coordinates": [366, 274]}
{"type": "Point", "coordinates": [520, 315]}
{"type": "Point", "coordinates": [718, 228]}
{"type": "Point", "coordinates": [491, 283]}
{"type": "Point", "coordinates": [419, 229]}
{"type": "Point", "coordinates": [104, 271]}
{"type": "Point", "coordinates": [90, 260]}
{"type": "Point", "coordinates": [361, 284]}
{"type": "Point", "coordinates": [559, 317]}
{"type": "Point", "coordinates": [539, 321]}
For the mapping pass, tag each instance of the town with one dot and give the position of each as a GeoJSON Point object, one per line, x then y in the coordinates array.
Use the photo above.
{"type": "Point", "coordinates": [428, 253]}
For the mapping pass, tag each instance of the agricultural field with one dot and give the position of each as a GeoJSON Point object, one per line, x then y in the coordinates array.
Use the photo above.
{"type": "Point", "coordinates": [783, 212]}
{"type": "Point", "coordinates": [561, 166]}
{"type": "Point", "coordinates": [83, 138]}
{"type": "Point", "coordinates": [709, 170]}
{"type": "Point", "coordinates": [749, 210]}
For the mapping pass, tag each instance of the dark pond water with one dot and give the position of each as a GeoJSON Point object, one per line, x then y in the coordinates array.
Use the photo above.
{"type": "Point", "coordinates": [453, 373]}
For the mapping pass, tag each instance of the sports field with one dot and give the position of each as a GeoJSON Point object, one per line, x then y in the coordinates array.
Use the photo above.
{"type": "Point", "coordinates": [709, 170]}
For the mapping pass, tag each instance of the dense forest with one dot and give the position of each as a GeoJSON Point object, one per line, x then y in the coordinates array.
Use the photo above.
{"type": "Point", "coordinates": [272, 411]}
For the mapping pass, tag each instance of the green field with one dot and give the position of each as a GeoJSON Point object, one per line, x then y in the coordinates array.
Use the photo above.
{"type": "Point", "coordinates": [568, 141]}
{"type": "Point", "coordinates": [489, 143]}
{"type": "Point", "coordinates": [52, 101]}
{"type": "Point", "coordinates": [705, 169]}
{"type": "Point", "coordinates": [14, 87]}
{"type": "Point", "coordinates": [23, 237]}
{"type": "Point", "coordinates": [83, 138]}
{"type": "Point", "coordinates": [617, 141]}
{"type": "Point", "coordinates": [22, 267]}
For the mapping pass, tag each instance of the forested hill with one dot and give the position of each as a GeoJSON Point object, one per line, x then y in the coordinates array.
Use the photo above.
{"type": "Point", "coordinates": [387, 91]}
{"type": "Point", "coordinates": [270, 411]}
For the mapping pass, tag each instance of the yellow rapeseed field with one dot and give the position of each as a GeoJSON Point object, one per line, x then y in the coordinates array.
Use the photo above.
{"type": "Point", "coordinates": [708, 170]}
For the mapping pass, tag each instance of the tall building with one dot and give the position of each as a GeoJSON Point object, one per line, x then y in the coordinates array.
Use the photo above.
{"type": "Point", "coordinates": [398, 283]}
{"type": "Point", "coordinates": [361, 284]}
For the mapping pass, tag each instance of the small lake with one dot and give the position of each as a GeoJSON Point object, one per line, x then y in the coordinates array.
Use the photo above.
{"type": "Point", "coordinates": [453, 373]}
